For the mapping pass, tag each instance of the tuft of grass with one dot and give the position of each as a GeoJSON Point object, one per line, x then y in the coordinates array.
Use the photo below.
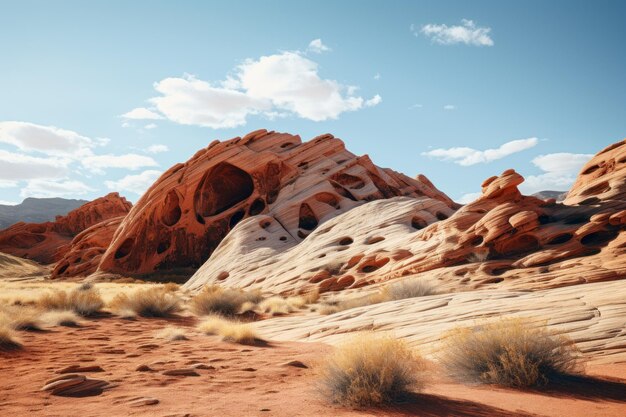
{"type": "Point", "coordinates": [84, 300]}
{"type": "Point", "coordinates": [409, 288]}
{"type": "Point", "coordinates": [509, 352]}
{"type": "Point", "coordinates": [8, 339]}
{"type": "Point", "coordinates": [149, 302]}
{"type": "Point", "coordinates": [171, 287]}
{"type": "Point", "coordinates": [231, 331]}
{"type": "Point", "coordinates": [172, 334]}
{"type": "Point", "coordinates": [223, 301]}
{"type": "Point", "coordinates": [65, 318]}
{"type": "Point", "coordinates": [20, 318]}
{"type": "Point", "coordinates": [370, 369]}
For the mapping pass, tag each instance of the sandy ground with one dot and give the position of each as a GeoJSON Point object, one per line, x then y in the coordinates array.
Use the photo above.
{"type": "Point", "coordinates": [246, 380]}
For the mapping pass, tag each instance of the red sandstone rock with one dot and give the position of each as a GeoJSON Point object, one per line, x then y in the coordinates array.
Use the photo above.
{"type": "Point", "coordinates": [184, 216]}
{"type": "Point", "coordinates": [48, 242]}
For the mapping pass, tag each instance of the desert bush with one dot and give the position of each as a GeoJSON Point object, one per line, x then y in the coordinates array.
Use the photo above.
{"type": "Point", "coordinates": [20, 318]}
{"type": "Point", "coordinates": [222, 301]}
{"type": "Point", "coordinates": [371, 369]}
{"type": "Point", "coordinates": [8, 339]}
{"type": "Point", "coordinates": [508, 352]}
{"type": "Point", "coordinates": [149, 302]}
{"type": "Point", "coordinates": [84, 300]}
{"type": "Point", "coordinates": [171, 334]}
{"type": "Point", "coordinates": [231, 331]}
{"type": "Point", "coordinates": [171, 287]}
{"type": "Point", "coordinates": [60, 318]}
{"type": "Point", "coordinates": [408, 288]}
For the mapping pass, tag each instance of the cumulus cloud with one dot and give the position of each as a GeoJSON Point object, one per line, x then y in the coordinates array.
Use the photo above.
{"type": "Point", "coordinates": [157, 148]}
{"type": "Point", "coordinates": [141, 113]}
{"type": "Point", "coordinates": [467, 33]}
{"type": "Point", "coordinates": [449, 107]}
{"type": "Point", "coordinates": [317, 46]}
{"type": "Point", "coordinates": [8, 184]}
{"type": "Point", "coordinates": [16, 166]}
{"type": "Point", "coordinates": [469, 197]}
{"type": "Point", "coordinates": [131, 161]}
{"type": "Point", "coordinates": [279, 85]}
{"type": "Point", "coordinates": [44, 188]}
{"type": "Point", "coordinates": [559, 172]}
{"type": "Point", "coordinates": [50, 140]}
{"type": "Point", "coordinates": [468, 156]}
{"type": "Point", "coordinates": [137, 184]}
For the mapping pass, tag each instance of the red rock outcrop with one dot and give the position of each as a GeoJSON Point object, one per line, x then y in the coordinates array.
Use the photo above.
{"type": "Point", "coordinates": [184, 216]}
{"type": "Point", "coordinates": [48, 242]}
{"type": "Point", "coordinates": [501, 239]}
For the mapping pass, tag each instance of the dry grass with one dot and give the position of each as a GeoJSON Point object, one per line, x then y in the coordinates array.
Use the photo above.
{"type": "Point", "coordinates": [60, 318]}
{"type": "Point", "coordinates": [84, 300]}
{"type": "Point", "coordinates": [371, 369]}
{"type": "Point", "coordinates": [171, 334]}
{"type": "Point", "coordinates": [280, 306]}
{"type": "Point", "coordinates": [509, 352]}
{"type": "Point", "coordinates": [408, 288]}
{"type": "Point", "coordinates": [149, 302]}
{"type": "Point", "coordinates": [8, 339]}
{"type": "Point", "coordinates": [231, 331]}
{"type": "Point", "coordinates": [20, 318]}
{"type": "Point", "coordinates": [223, 301]}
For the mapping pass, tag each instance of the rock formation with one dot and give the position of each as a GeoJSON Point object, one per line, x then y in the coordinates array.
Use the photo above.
{"type": "Point", "coordinates": [268, 176]}
{"type": "Point", "coordinates": [47, 242]}
{"type": "Point", "coordinates": [501, 239]}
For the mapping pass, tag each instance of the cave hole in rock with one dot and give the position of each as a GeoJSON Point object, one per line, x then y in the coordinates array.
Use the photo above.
{"type": "Point", "coordinates": [304, 165]}
{"type": "Point", "coordinates": [63, 269]}
{"type": "Point", "coordinates": [418, 223]}
{"type": "Point", "coordinates": [545, 219]}
{"type": "Point", "coordinates": [600, 188]}
{"type": "Point", "coordinates": [590, 170]}
{"type": "Point", "coordinates": [328, 198]}
{"type": "Point", "coordinates": [286, 145]}
{"type": "Point", "coordinates": [265, 224]}
{"type": "Point", "coordinates": [307, 219]}
{"type": "Point", "coordinates": [171, 209]}
{"type": "Point", "coordinates": [223, 275]}
{"type": "Point", "coordinates": [374, 265]}
{"type": "Point", "coordinates": [576, 219]}
{"type": "Point", "coordinates": [349, 181]}
{"type": "Point", "coordinates": [599, 238]}
{"type": "Point", "coordinates": [282, 238]}
{"type": "Point", "coordinates": [346, 241]}
{"type": "Point", "coordinates": [236, 218]}
{"type": "Point", "coordinates": [588, 201]}
{"type": "Point", "coordinates": [374, 239]}
{"type": "Point", "coordinates": [342, 191]}
{"type": "Point", "coordinates": [199, 218]}
{"type": "Point", "coordinates": [386, 190]}
{"type": "Point", "coordinates": [257, 207]}
{"type": "Point", "coordinates": [562, 238]}
{"type": "Point", "coordinates": [124, 249]}
{"type": "Point", "coordinates": [477, 240]}
{"type": "Point", "coordinates": [222, 188]}
{"type": "Point", "coordinates": [441, 216]}
{"type": "Point", "coordinates": [163, 246]}
{"type": "Point", "coordinates": [262, 238]}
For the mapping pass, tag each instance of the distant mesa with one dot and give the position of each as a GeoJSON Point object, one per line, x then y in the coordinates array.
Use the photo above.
{"type": "Point", "coordinates": [36, 210]}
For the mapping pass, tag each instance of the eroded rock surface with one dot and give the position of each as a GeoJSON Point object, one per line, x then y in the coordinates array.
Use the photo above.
{"type": "Point", "coordinates": [184, 216]}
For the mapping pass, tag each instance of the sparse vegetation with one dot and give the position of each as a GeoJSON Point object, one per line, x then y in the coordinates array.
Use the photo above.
{"type": "Point", "coordinates": [231, 331]}
{"type": "Point", "coordinates": [223, 301]}
{"type": "Point", "coordinates": [60, 318]}
{"type": "Point", "coordinates": [150, 302]}
{"type": "Point", "coordinates": [84, 300]}
{"type": "Point", "coordinates": [20, 318]}
{"type": "Point", "coordinates": [279, 306]}
{"type": "Point", "coordinates": [172, 334]}
{"type": "Point", "coordinates": [371, 369]}
{"type": "Point", "coordinates": [8, 339]}
{"type": "Point", "coordinates": [509, 352]}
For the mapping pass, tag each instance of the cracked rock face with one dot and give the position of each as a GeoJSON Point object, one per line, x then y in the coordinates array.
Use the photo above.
{"type": "Point", "coordinates": [180, 221]}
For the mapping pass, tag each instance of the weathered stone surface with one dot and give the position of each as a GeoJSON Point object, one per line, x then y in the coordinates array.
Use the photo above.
{"type": "Point", "coordinates": [48, 242]}
{"type": "Point", "coordinates": [183, 217]}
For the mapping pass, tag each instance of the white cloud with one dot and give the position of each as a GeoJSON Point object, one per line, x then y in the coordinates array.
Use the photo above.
{"type": "Point", "coordinates": [43, 188]}
{"type": "Point", "coordinates": [377, 76]}
{"type": "Point", "coordinates": [318, 47]}
{"type": "Point", "coordinates": [129, 161]}
{"type": "Point", "coordinates": [449, 107]}
{"type": "Point", "coordinates": [272, 86]}
{"type": "Point", "coordinates": [467, 33]}
{"type": "Point", "coordinates": [468, 156]}
{"type": "Point", "coordinates": [8, 183]}
{"type": "Point", "coordinates": [137, 184]}
{"type": "Point", "coordinates": [141, 113]}
{"type": "Point", "coordinates": [49, 140]}
{"type": "Point", "coordinates": [560, 171]}
{"type": "Point", "coordinates": [8, 203]}
{"type": "Point", "coordinates": [157, 148]}
{"type": "Point", "coordinates": [416, 106]}
{"type": "Point", "coordinates": [469, 197]}
{"type": "Point", "coordinates": [16, 166]}
{"type": "Point", "coordinates": [150, 126]}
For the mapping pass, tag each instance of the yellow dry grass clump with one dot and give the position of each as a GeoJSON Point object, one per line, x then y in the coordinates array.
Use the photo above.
{"type": "Point", "coordinates": [231, 331]}
{"type": "Point", "coordinates": [148, 302]}
{"type": "Point", "coordinates": [84, 300]}
{"type": "Point", "coordinates": [509, 352]}
{"type": "Point", "coordinates": [20, 318]}
{"type": "Point", "coordinates": [172, 334]}
{"type": "Point", "coordinates": [60, 318]}
{"type": "Point", "coordinates": [8, 339]}
{"type": "Point", "coordinates": [223, 301]}
{"type": "Point", "coordinates": [371, 369]}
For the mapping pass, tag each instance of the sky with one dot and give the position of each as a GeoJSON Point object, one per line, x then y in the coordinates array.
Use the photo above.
{"type": "Point", "coordinates": [104, 96]}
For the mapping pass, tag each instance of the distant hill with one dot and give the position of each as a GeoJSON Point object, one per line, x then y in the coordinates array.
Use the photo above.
{"type": "Point", "coordinates": [36, 210]}
{"type": "Point", "coordinates": [558, 195]}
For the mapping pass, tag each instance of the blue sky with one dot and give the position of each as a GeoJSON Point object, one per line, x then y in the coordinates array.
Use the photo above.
{"type": "Point", "coordinates": [458, 91]}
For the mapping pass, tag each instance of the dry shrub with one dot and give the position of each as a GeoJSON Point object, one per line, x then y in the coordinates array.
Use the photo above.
{"type": "Point", "coordinates": [84, 300]}
{"type": "Point", "coordinates": [231, 331]}
{"type": "Point", "coordinates": [335, 307]}
{"type": "Point", "coordinates": [8, 339]}
{"type": "Point", "coordinates": [171, 287]}
{"type": "Point", "coordinates": [60, 318]}
{"type": "Point", "coordinates": [509, 352]}
{"type": "Point", "coordinates": [149, 302]}
{"type": "Point", "coordinates": [20, 318]}
{"type": "Point", "coordinates": [279, 306]}
{"type": "Point", "coordinates": [371, 369]}
{"type": "Point", "coordinates": [172, 334]}
{"type": "Point", "coordinates": [409, 288]}
{"type": "Point", "coordinates": [223, 301]}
